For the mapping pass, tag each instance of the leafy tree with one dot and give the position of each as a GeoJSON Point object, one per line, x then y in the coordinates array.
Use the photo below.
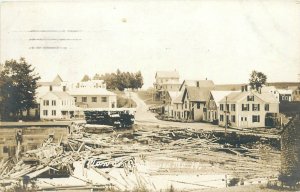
{"type": "Point", "coordinates": [85, 78]}
{"type": "Point", "coordinates": [257, 79]}
{"type": "Point", "coordinates": [122, 80]}
{"type": "Point", "coordinates": [18, 83]}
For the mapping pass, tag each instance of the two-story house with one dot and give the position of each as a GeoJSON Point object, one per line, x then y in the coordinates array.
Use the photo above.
{"type": "Point", "coordinates": [57, 105]}
{"type": "Point", "coordinates": [248, 109]}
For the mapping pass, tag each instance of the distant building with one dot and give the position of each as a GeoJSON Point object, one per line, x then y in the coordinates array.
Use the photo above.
{"type": "Point", "coordinates": [285, 95]}
{"type": "Point", "coordinates": [90, 84]}
{"type": "Point", "coordinates": [248, 109]}
{"type": "Point", "coordinates": [57, 105]}
{"type": "Point", "coordinates": [165, 81]}
{"type": "Point", "coordinates": [94, 98]}
{"type": "Point", "coordinates": [295, 93]}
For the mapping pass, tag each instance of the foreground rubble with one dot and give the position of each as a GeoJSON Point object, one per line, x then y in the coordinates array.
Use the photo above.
{"type": "Point", "coordinates": [142, 157]}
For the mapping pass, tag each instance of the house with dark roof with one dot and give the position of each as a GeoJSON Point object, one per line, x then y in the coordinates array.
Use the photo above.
{"type": "Point", "coordinates": [193, 102]}
{"type": "Point", "coordinates": [248, 109]}
{"type": "Point", "coordinates": [57, 105]}
{"type": "Point", "coordinates": [190, 103]}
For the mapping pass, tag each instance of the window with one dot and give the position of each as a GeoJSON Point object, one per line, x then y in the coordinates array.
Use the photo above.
{"type": "Point", "coordinates": [232, 118]}
{"type": "Point", "coordinates": [84, 99]}
{"type": "Point", "coordinates": [221, 118]}
{"type": "Point", "coordinates": [245, 107]}
{"type": "Point", "coordinates": [242, 118]}
{"type": "Point", "coordinates": [53, 103]}
{"type": "Point", "coordinates": [232, 107]}
{"type": "Point", "coordinates": [75, 99]}
{"type": "Point", "coordinates": [185, 104]}
{"type": "Point", "coordinates": [53, 112]}
{"type": "Point", "coordinates": [255, 118]}
{"type": "Point", "coordinates": [227, 107]}
{"type": "Point", "coordinates": [45, 112]}
{"type": "Point", "coordinates": [104, 99]}
{"type": "Point", "coordinates": [46, 102]}
{"type": "Point", "coordinates": [64, 88]}
{"type": "Point", "coordinates": [255, 107]}
{"type": "Point", "coordinates": [94, 99]}
{"type": "Point", "coordinates": [5, 149]}
{"type": "Point", "coordinates": [221, 107]}
{"type": "Point", "coordinates": [267, 107]}
{"type": "Point", "coordinates": [204, 110]}
{"type": "Point", "coordinates": [250, 98]}
{"type": "Point", "coordinates": [50, 88]}
{"type": "Point", "coordinates": [245, 118]}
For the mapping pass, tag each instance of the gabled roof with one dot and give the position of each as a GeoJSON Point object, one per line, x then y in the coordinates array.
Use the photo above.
{"type": "Point", "coordinates": [196, 94]}
{"type": "Point", "coordinates": [285, 91]}
{"type": "Point", "coordinates": [57, 79]}
{"type": "Point", "coordinates": [58, 94]}
{"type": "Point", "coordinates": [56, 82]}
{"type": "Point", "coordinates": [90, 91]}
{"type": "Point", "coordinates": [219, 95]}
{"type": "Point", "coordinates": [173, 94]}
{"type": "Point", "coordinates": [267, 97]}
{"type": "Point", "coordinates": [235, 97]}
{"type": "Point", "coordinates": [178, 99]}
{"type": "Point", "coordinates": [167, 74]}
{"type": "Point", "coordinates": [194, 83]}
{"type": "Point", "coordinates": [238, 96]}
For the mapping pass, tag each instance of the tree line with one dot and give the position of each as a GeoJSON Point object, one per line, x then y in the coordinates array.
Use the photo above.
{"type": "Point", "coordinates": [119, 80]}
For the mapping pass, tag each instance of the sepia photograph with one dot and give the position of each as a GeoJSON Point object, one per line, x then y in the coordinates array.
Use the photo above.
{"type": "Point", "coordinates": [150, 95]}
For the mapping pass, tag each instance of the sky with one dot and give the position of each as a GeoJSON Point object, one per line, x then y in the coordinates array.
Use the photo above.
{"type": "Point", "coordinates": [218, 40]}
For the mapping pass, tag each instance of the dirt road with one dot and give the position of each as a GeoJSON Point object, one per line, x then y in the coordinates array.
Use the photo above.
{"type": "Point", "coordinates": [144, 117]}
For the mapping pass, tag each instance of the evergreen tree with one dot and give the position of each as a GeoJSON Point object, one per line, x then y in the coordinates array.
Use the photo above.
{"type": "Point", "coordinates": [18, 84]}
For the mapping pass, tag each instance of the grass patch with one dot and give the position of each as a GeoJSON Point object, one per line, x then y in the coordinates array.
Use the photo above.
{"type": "Point", "coordinates": [147, 97]}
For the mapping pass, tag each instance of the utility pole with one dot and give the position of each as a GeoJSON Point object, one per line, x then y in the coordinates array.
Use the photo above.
{"type": "Point", "coordinates": [226, 123]}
